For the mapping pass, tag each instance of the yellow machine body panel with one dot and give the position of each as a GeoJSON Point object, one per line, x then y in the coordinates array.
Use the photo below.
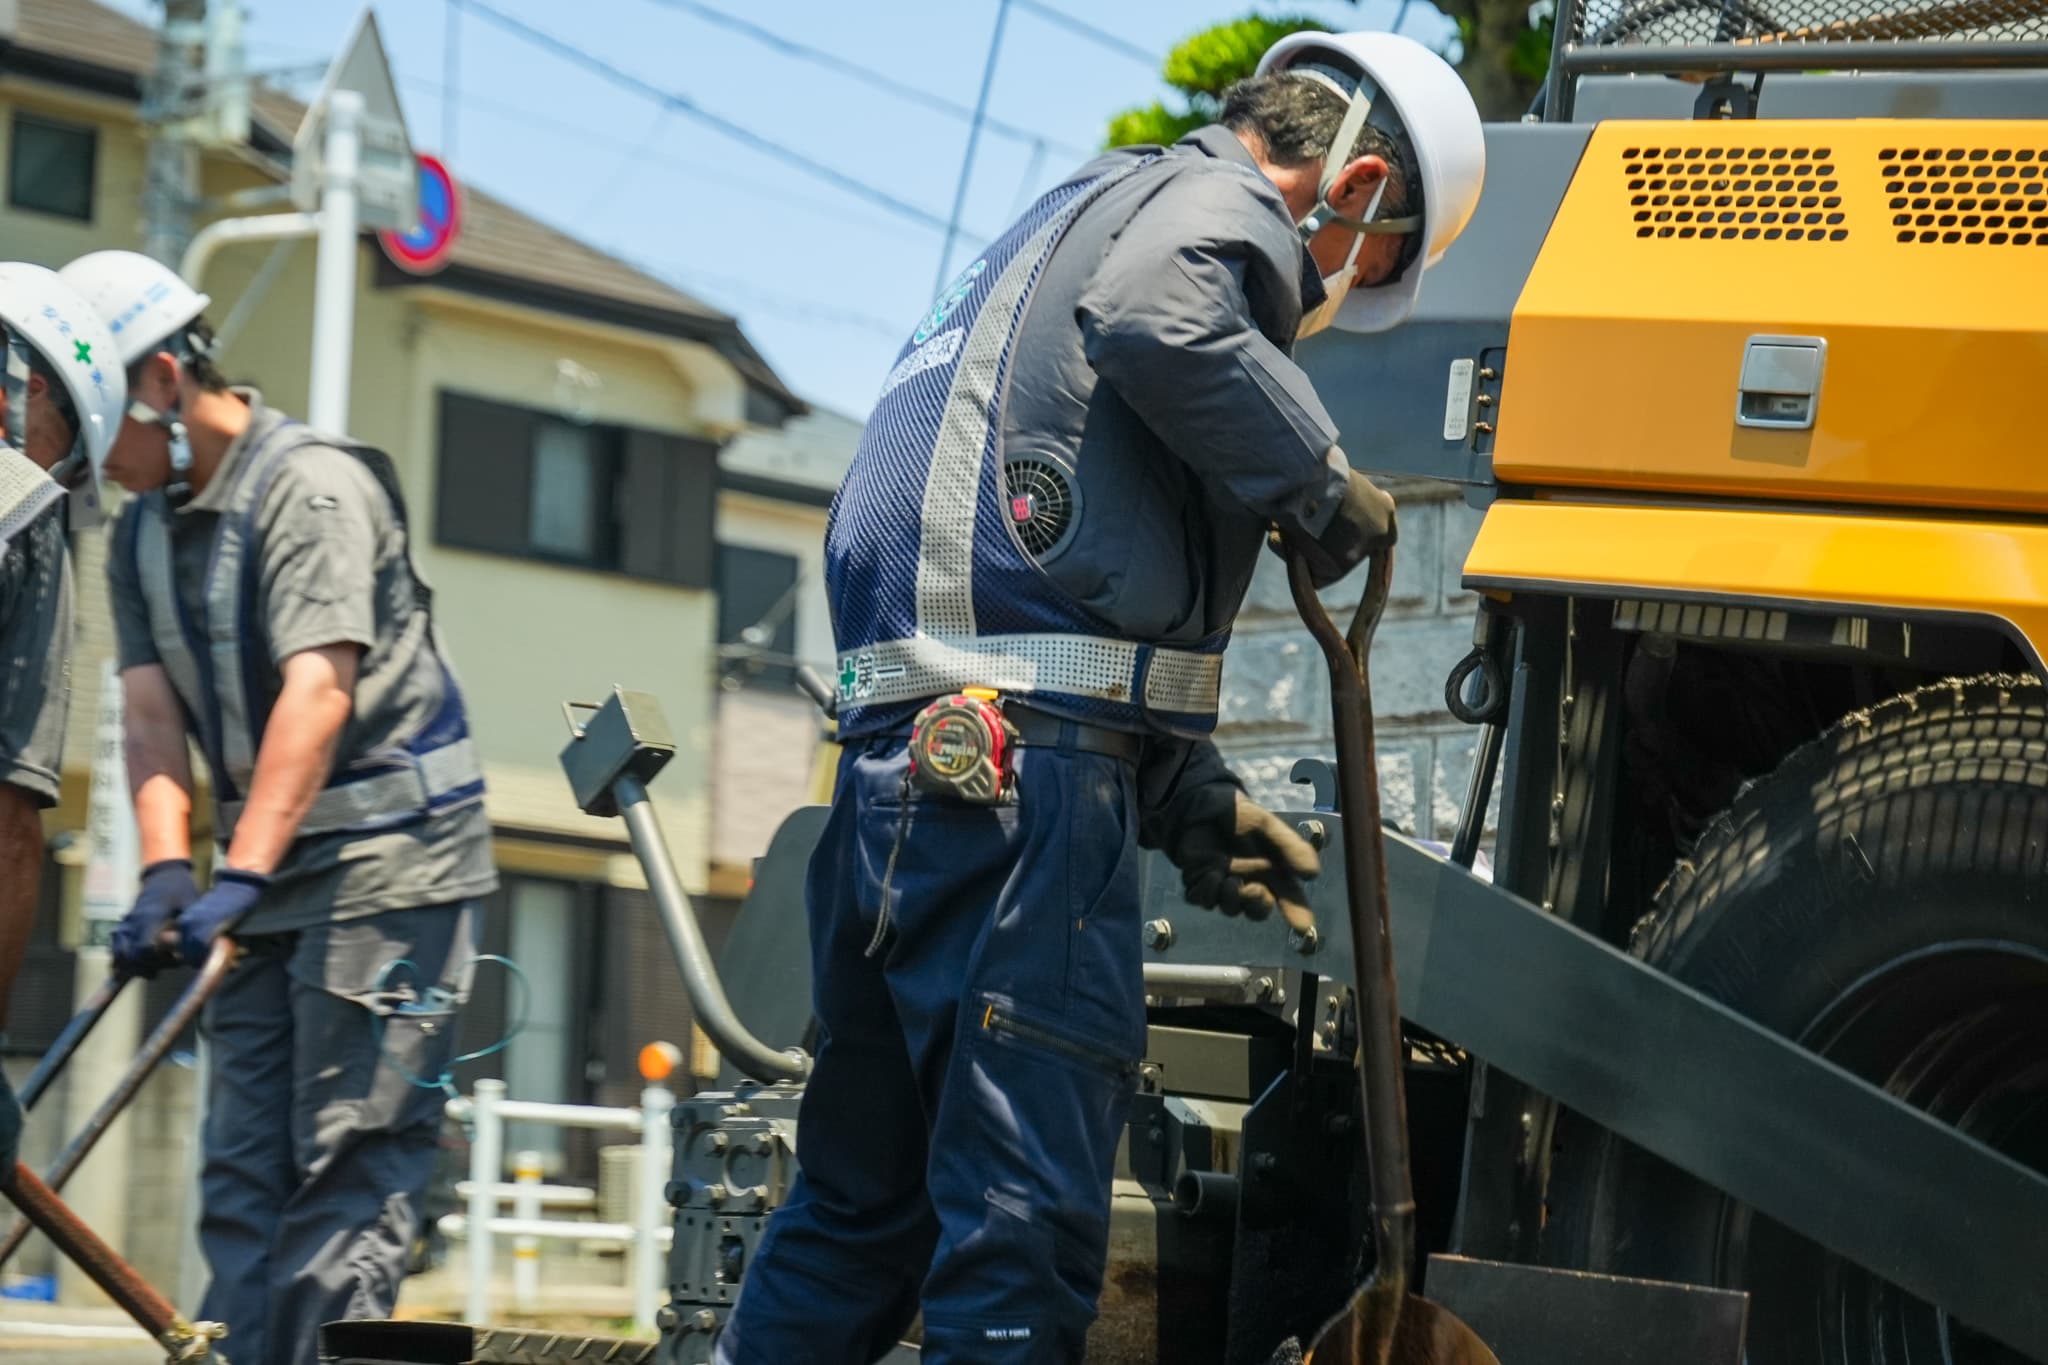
{"type": "Point", "coordinates": [1915, 568]}
{"type": "Point", "coordinates": [1848, 310]}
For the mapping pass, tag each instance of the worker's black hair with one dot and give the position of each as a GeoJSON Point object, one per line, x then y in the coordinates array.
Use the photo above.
{"type": "Point", "coordinates": [1294, 117]}
{"type": "Point", "coordinates": [60, 397]}
{"type": "Point", "coordinates": [192, 344]}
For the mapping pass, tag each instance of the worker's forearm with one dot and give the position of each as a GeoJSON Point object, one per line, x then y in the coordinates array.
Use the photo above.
{"type": "Point", "coordinates": [21, 866]}
{"type": "Point", "coordinates": [291, 768]}
{"type": "Point", "coordinates": [160, 780]}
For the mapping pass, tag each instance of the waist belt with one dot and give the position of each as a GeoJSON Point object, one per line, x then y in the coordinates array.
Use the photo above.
{"type": "Point", "coordinates": [385, 796]}
{"type": "Point", "coordinates": [1041, 730]}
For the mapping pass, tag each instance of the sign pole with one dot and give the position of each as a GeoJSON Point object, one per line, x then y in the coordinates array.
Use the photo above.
{"type": "Point", "coordinates": [334, 279]}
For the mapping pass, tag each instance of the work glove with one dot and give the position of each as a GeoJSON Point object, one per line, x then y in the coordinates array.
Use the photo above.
{"type": "Point", "coordinates": [233, 896]}
{"type": "Point", "coordinates": [10, 1129]}
{"type": "Point", "coordinates": [1236, 856]}
{"type": "Point", "coordinates": [167, 888]}
{"type": "Point", "coordinates": [1363, 525]}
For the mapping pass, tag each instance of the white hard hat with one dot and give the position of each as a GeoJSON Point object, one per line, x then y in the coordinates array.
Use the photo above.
{"type": "Point", "coordinates": [1436, 112]}
{"type": "Point", "coordinates": [143, 300]}
{"type": "Point", "coordinates": [49, 315]}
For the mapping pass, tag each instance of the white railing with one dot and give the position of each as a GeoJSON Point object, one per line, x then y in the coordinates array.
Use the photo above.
{"type": "Point", "coordinates": [646, 1237]}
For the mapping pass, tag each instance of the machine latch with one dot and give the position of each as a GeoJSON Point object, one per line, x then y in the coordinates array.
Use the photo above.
{"type": "Point", "coordinates": [1780, 382]}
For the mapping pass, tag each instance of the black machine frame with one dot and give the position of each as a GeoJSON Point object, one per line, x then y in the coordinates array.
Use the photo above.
{"type": "Point", "coordinates": [1853, 42]}
{"type": "Point", "coordinates": [1520, 981]}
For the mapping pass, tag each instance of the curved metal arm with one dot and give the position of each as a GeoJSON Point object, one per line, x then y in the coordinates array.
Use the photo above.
{"type": "Point", "coordinates": [686, 939]}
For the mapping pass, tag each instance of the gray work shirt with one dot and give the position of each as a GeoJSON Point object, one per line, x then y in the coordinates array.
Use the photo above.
{"type": "Point", "coordinates": [35, 656]}
{"type": "Point", "coordinates": [332, 568]}
{"type": "Point", "coordinates": [1156, 361]}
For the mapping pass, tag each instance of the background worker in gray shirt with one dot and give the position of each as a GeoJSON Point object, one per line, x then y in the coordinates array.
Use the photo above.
{"type": "Point", "coordinates": [268, 608]}
{"type": "Point", "coordinates": [61, 393]}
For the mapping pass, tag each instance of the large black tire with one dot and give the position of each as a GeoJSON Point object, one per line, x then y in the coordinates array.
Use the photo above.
{"type": "Point", "coordinates": [1883, 897]}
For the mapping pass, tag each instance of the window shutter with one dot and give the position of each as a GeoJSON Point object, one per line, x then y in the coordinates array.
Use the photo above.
{"type": "Point", "coordinates": [751, 584]}
{"type": "Point", "coordinates": [643, 505]}
{"type": "Point", "coordinates": [668, 490]}
{"type": "Point", "coordinates": [484, 487]}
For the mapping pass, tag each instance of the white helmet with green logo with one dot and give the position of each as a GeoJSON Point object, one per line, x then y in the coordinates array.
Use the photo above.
{"type": "Point", "coordinates": [43, 314]}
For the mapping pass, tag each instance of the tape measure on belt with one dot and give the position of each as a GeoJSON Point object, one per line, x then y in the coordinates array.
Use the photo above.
{"type": "Point", "coordinates": [961, 746]}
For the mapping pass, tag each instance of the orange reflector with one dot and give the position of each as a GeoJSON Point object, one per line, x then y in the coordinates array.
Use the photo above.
{"type": "Point", "coordinates": [658, 1061]}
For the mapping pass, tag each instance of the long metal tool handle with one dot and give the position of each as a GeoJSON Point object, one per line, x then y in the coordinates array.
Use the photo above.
{"type": "Point", "coordinates": [1379, 1006]}
{"type": "Point", "coordinates": [104, 1267]}
{"type": "Point", "coordinates": [708, 1001]}
{"type": "Point", "coordinates": [81, 1024]}
{"type": "Point", "coordinates": [158, 1046]}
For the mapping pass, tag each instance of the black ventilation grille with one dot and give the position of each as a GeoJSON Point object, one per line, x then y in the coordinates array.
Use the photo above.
{"type": "Point", "coordinates": [1747, 193]}
{"type": "Point", "coordinates": [1967, 196]}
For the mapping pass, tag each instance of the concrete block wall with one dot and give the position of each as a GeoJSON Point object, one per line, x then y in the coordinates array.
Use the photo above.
{"type": "Point", "coordinates": [1276, 690]}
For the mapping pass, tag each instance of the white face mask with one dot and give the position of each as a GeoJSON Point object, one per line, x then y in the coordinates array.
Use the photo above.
{"type": "Point", "coordinates": [1335, 287]}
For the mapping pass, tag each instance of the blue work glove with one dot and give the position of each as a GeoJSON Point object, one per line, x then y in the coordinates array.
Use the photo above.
{"type": "Point", "coordinates": [10, 1128]}
{"type": "Point", "coordinates": [234, 895]}
{"type": "Point", "coordinates": [167, 888]}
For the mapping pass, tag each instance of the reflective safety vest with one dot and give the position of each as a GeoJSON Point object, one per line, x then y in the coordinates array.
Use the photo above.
{"type": "Point", "coordinates": [26, 492]}
{"type": "Point", "coordinates": [221, 670]}
{"type": "Point", "coordinates": [931, 589]}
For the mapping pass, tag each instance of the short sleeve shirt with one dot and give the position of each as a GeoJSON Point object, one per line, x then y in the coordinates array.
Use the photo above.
{"type": "Point", "coordinates": [332, 568]}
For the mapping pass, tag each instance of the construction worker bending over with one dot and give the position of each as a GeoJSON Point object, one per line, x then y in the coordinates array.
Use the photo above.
{"type": "Point", "coordinates": [60, 401]}
{"type": "Point", "coordinates": [267, 606]}
{"type": "Point", "coordinates": [1034, 564]}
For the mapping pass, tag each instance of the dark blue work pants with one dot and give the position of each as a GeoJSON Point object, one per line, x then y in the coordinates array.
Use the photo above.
{"type": "Point", "coordinates": [318, 1148]}
{"type": "Point", "coordinates": [958, 1134]}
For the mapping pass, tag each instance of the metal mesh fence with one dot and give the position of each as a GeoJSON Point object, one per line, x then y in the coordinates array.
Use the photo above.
{"type": "Point", "coordinates": [1754, 23]}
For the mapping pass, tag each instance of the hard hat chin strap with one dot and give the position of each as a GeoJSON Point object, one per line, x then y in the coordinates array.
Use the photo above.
{"type": "Point", "coordinates": [1335, 159]}
{"type": "Point", "coordinates": [179, 489]}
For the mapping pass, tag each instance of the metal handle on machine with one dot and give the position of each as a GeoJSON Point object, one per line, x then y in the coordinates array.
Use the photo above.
{"type": "Point", "coordinates": [686, 940]}
{"type": "Point", "coordinates": [814, 686]}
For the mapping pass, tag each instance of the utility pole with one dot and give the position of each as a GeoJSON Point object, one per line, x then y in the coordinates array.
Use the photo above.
{"type": "Point", "coordinates": [173, 98]}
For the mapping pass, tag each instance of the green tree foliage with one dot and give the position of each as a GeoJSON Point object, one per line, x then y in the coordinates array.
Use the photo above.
{"type": "Point", "coordinates": [1201, 68]}
{"type": "Point", "coordinates": [1502, 56]}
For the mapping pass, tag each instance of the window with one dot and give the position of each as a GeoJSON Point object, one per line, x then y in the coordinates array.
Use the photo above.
{"type": "Point", "coordinates": [514, 481]}
{"type": "Point", "coordinates": [757, 602]}
{"type": "Point", "coordinates": [562, 517]}
{"type": "Point", "coordinates": [50, 167]}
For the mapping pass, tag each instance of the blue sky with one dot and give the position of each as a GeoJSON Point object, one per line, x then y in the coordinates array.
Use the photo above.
{"type": "Point", "coordinates": [826, 284]}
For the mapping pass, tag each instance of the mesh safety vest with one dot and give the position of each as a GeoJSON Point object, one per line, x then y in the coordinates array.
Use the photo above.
{"type": "Point", "coordinates": [221, 670]}
{"type": "Point", "coordinates": [931, 590]}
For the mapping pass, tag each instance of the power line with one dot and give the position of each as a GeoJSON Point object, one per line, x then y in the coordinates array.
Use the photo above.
{"type": "Point", "coordinates": [852, 71]}
{"type": "Point", "coordinates": [585, 134]}
{"type": "Point", "coordinates": [988, 76]}
{"type": "Point", "coordinates": [577, 56]}
{"type": "Point", "coordinates": [1101, 37]}
{"type": "Point", "coordinates": [690, 278]}
{"type": "Point", "coordinates": [451, 73]}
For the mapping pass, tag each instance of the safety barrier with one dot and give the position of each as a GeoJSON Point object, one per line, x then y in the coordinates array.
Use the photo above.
{"type": "Point", "coordinates": [646, 1238]}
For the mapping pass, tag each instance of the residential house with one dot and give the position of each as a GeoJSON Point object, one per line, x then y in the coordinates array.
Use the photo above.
{"type": "Point", "coordinates": [556, 416]}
